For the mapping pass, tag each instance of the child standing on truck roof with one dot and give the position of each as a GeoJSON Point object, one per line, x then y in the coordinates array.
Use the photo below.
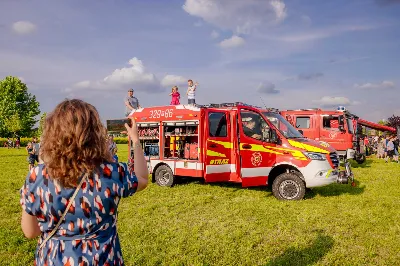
{"type": "Point", "coordinates": [175, 96]}
{"type": "Point", "coordinates": [191, 92]}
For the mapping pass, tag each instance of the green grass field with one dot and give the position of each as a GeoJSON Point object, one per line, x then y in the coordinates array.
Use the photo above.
{"type": "Point", "coordinates": [222, 224]}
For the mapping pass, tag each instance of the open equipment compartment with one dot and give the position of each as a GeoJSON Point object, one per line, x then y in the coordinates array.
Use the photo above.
{"type": "Point", "coordinates": [149, 137]}
{"type": "Point", "coordinates": [181, 140]}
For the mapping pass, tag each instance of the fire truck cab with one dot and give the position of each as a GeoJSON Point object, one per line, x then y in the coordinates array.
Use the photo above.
{"type": "Point", "coordinates": [338, 128]}
{"type": "Point", "coordinates": [234, 142]}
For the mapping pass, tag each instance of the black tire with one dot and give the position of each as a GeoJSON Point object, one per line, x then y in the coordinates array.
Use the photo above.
{"type": "Point", "coordinates": [164, 176]}
{"type": "Point", "coordinates": [361, 159]}
{"type": "Point", "coordinates": [288, 186]}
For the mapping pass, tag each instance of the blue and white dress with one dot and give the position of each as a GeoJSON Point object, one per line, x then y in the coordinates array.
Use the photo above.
{"type": "Point", "coordinates": [88, 235]}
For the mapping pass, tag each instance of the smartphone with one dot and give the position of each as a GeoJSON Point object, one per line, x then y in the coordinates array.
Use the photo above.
{"type": "Point", "coordinates": [117, 125]}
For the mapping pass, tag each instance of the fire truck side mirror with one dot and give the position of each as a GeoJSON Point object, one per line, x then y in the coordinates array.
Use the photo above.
{"type": "Point", "coordinates": [273, 137]}
{"type": "Point", "coordinates": [341, 121]}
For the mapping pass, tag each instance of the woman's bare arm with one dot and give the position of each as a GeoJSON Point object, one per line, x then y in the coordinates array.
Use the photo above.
{"type": "Point", "coordinates": [29, 225]}
{"type": "Point", "coordinates": [141, 170]}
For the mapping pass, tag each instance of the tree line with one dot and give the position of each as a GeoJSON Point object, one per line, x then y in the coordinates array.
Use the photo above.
{"type": "Point", "coordinates": [19, 109]}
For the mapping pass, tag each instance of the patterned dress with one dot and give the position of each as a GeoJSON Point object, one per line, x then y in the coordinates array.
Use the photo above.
{"type": "Point", "coordinates": [88, 235]}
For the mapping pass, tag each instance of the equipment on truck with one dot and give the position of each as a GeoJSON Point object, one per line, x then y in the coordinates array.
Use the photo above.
{"type": "Point", "coordinates": [235, 142]}
{"type": "Point", "coordinates": [339, 128]}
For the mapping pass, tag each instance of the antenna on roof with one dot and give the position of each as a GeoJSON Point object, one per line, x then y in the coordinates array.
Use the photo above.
{"type": "Point", "coordinates": [263, 103]}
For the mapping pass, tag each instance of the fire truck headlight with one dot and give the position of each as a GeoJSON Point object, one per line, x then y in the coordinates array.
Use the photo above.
{"type": "Point", "coordinates": [315, 156]}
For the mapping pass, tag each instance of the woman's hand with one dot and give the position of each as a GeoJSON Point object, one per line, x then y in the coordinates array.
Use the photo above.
{"type": "Point", "coordinates": [132, 130]}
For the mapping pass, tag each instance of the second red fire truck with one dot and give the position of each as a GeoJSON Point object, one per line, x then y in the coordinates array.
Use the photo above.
{"type": "Point", "coordinates": [340, 128]}
{"type": "Point", "coordinates": [234, 142]}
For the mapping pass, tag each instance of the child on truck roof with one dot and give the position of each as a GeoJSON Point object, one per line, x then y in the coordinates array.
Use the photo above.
{"type": "Point", "coordinates": [191, 92]}
{"type": "Point", "coordinates": [175, 96]}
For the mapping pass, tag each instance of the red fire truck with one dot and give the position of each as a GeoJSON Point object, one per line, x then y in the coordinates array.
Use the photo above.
{"type": "Point", "coordinates": [339, 128]}
{"type": "Point", "coordinates": [234, 142]}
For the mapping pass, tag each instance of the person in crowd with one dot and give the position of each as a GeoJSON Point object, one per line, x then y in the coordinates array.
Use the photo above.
{"type": "Point", "coordinates": [31, 155]}
{"type": "Point", "coordinates": [396, 148]}
{"type": "Point", "coordinates": [10, 143]}
{"type": "Point", "coordinates": [36, 148]}
{"type": "Point", "coordinates": [389, 149]}
{"type": "Point", "coordinates": [380, 149]}
{"type": "Point", "coordinates": [175, 96]}
{"type": "Point", "coordinates": [111, 143]}
{"type": "Point", "coordinates": [71, 200]}
{"type": "Point", "coordinates": [191, 92]}
{"type": "Point", "coordinates": [18, 141]}
{"type": "Point", "coordinates": [115, 155]}
{"type": "Point", "coordinates": [366, 144]}
{"type": "Point", "coordinates": [131, 102]}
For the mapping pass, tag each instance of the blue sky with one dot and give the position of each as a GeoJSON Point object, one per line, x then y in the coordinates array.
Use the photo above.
{"type": "Point", "coordinates": [291, 53]}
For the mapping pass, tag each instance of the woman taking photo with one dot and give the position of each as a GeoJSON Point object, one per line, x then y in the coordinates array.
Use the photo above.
{"type": "Point", "coordinates": [71, 200]}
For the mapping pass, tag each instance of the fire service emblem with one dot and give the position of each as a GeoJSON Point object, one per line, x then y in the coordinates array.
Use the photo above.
{"type": "Point", "coordinates": [256, 159]}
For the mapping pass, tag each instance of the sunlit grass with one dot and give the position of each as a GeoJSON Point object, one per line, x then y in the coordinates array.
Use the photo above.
{"type": "Point", "coordinates": [222, 224]}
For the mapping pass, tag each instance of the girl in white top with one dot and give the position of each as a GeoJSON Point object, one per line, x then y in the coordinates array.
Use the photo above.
{"type": "Point", "coordinates": [191, 92]}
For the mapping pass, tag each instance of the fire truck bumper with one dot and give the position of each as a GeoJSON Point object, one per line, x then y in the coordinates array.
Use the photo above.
{"type": "Point", "coordinates": [319, 173]}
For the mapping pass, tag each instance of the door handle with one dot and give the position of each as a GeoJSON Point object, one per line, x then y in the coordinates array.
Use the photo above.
{"type": "Point", "coordinates": [212, 145]}
{"type": "Point", "coordinates": [246, 146]}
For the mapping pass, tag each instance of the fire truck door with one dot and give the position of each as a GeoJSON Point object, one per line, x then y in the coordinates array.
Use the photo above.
{"type": "Point", "coordinates": [257, 154]}
{"type": "Point", "coordinates": [218, 150]}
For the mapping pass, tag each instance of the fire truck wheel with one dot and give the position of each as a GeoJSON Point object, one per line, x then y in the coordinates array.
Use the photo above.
{"type": "Point", "coordinates": [288, 186]}
{"type": "Point", "coordinates": [164, 176]}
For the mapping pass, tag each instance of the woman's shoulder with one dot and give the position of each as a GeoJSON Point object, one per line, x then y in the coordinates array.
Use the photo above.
{"type": "Point", "coordinates": [107, 167]}
{"type": "Point", "coordinates": [37, 175]}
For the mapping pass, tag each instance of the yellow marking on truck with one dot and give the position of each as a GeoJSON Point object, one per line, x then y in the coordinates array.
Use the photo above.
{"type": "Point", "coordinates": [276, 150]}
{"type": "Point", "coordinates": [258, 147]}
{"type": "Point", "coordinates": [307, 147]}
{"type": "Point", "coordinates": [219, 161]}
{"type": "Point", "coordinates": [215, 154]}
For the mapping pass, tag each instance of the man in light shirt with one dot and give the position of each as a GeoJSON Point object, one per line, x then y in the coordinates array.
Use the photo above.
{"type": "Point", "coordinates": [131, 102]}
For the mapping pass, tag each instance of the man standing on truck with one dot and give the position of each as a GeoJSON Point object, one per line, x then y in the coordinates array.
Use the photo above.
{"type": "Point", "coordinates": [131, 102]}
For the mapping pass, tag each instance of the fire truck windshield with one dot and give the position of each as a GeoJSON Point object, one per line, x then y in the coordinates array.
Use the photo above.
{"type": "Point", "coordinates": [283, 125]}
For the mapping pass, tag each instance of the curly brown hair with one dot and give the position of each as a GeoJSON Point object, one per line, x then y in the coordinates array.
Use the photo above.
{"type": "Point", "coordinates": [73, 142]}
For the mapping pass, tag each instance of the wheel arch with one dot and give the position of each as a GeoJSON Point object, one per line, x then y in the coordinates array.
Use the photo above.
{"type": "Point", "coordinates": [283, 168]}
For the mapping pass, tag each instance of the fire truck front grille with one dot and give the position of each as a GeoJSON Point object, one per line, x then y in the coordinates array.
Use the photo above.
{"type": "Point", "coordinates": [334, 158]}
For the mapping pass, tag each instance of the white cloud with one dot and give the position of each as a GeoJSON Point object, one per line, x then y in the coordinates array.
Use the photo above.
{"type": "Point", "coordinates": [232, 42]}
{"type": "Point", "coordinates": [386, 84]}
{"type": "Point", "coordinates": [237, 15]}
{"type": "Point", "coordinates": [267, 87]}
{"type": "Point", "coordinates": [214, 34]}
{"type": "Point", "coordinates": [24, 27]}
{"type": "Point", "coordinates": [331, 101]}
{"type": "Point", "coordinates": [173, 80]}
{"type": "Point", "coordinates": [280, 9]}
{"type": "Point", "coordinates": [321, 33]}
{"type": "Point", "coordinates": [123, 78]}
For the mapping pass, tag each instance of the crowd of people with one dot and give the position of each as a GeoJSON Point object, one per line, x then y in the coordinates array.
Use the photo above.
{"type": "Point", "coordinates": [385, 147]}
